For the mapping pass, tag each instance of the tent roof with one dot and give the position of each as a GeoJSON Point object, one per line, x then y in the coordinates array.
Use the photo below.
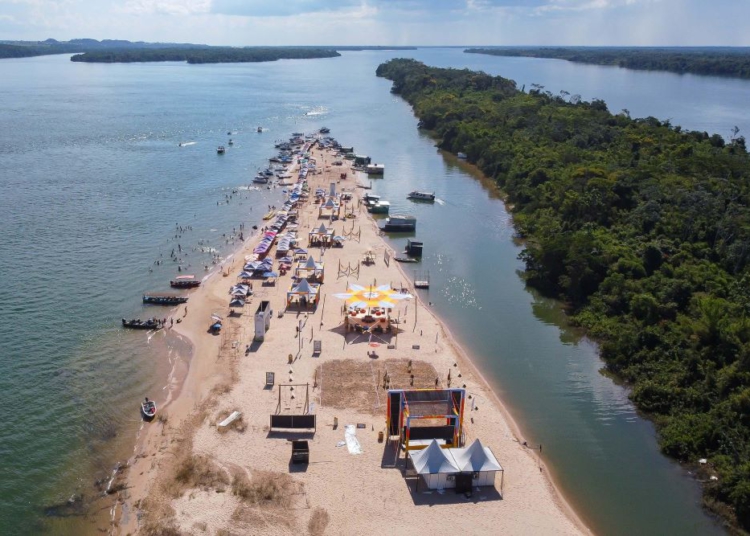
{"type": "Point", "coordinates": [433, 460]}
{"type": "Point", "coordinates": [476, 458]}
{"type": "Point", "coordinates": [322, 229]}
{"type": "Point", "coordinates": [303, 287]}
{"type": "Point", "coordinates": [310, 263]}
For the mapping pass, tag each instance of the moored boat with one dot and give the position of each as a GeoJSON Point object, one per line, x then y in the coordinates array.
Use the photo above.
{"type": "Point", "coordinates": [379, 207]}
{"type": "Point", "coordinates": [260, 129]}
{"type": "Point", "coordinates": [324, 130]}
{"type": "Point", "coordinates": [220, 149]}
{"type": "Point", "coordinates": [137, 323]}
{"type": "Point", "coordinates": [260, 179]}
{"type": "Point", "coordinates": [148, 409]}
{"type": "Point", "coordinates": [269, 215]}
{"type": "Point", "coordinates": [400, 224]}
{"type": "Point", "coordinates": [164, 299]}
{"type": "Point", "coordinates": [421, 196]}
{"type": "Point", "coordinates": [185, 281]}
{"type": "Point", "coordinates": [375, 169]}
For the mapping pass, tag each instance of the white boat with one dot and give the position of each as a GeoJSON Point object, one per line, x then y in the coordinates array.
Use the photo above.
{"type": "Point", "coordinates": [421, 196]}
{"type": "Point", "coordinates": [220, 149]}
{"type": "Point", "coordinates": [148, 408]}
{"type": "Point", "coordinates": [260, 179]}
{"type": "Point", "coordinates": [462, 156]}
{"type": "Point", "coordinates": [375, 169]}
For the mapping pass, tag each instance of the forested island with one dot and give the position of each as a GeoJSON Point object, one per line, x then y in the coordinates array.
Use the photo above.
{"type": "Point", "coordinates": [205, 55]}
{"type": "Point", "coordinates": [123, 51]}
{"type": "Point", "coordinates": [721, 61]}
{"type": "Point", "coordinates": [643, 230]}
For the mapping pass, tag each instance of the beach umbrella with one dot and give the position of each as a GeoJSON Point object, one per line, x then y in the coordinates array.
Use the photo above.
{"type": "Point", "coordinates": [239, 292]}
{"type": "Point", "coordinates": [216, 317]}
{"type": "Point", "coordinates": [237, 303]}
{"type": "Point", "coordinates": [339, 238]}
{"type": "Point", "coordinates": [300, 251]}
{"type": "Point", "coordinates": [245, 275]}
{"type": "Point", "coordinates": [270, 274]}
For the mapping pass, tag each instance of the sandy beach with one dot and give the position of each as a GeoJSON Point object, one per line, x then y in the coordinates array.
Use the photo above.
{"type": "Point", "coordinates": [187, 476]}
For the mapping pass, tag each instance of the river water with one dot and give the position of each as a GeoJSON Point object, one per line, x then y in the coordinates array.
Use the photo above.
{"type": "Point", "coordinates": [95, 189]}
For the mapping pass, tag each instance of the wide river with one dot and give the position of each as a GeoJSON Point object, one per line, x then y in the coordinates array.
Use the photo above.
{"type": "Point", "coordinates": [95, 190]}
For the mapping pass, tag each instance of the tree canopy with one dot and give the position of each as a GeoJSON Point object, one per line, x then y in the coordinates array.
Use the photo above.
{"type": "Point", "coordinates": [204, 55]}
{"type": "Point", "coordinates": [643, 229]}
{"type": "Point", "coordinates": [721, 61]}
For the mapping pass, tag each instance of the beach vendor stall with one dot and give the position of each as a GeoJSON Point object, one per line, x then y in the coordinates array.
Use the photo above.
{"type": "Point", "coordinates": [330, 209]}
{"type": "Point", "coordinates": [320, 236]}
{"type": "Point", "coordinates": [310, 270]}
{"type": "Point", "coordinates": [304, 294]}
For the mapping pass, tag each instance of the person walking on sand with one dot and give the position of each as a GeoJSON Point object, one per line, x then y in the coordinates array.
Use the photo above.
{"type": "Point", "coordinates": [185, 312]}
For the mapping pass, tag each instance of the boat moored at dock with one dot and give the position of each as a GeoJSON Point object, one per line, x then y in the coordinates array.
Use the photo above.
{"type": "Point", "coordinates": [401, 223]}
{"type": "Point", "coordinates": [375, 169]}
{"type": "Point", "coordinates": [379, 207]}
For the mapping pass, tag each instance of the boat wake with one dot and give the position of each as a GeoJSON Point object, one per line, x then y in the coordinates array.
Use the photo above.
{"type": "Point", "coordinates": [439, 201]}
{"type": "Point", "coordinates": [187, 143]}
{"type": "Point", "coordinates": [318, 110]}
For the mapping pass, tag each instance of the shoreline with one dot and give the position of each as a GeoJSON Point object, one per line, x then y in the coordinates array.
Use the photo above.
{"type": "Point", "coordinates": [204, 375]}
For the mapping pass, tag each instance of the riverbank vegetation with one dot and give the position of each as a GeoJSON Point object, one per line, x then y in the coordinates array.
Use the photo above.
{"type": "Point", "coordinates": [642, 229]}
{"type": "Point", "coordinates": [712, 61]}
{"type": "Point", "coordinates": [204, 55]}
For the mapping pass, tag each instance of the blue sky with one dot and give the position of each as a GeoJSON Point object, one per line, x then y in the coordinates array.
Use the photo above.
{"type": "Point", "coordinates": [385, 22]}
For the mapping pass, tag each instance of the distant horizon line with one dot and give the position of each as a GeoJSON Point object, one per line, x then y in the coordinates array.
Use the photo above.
{"type": "Point", "coordinates": [10, 41]}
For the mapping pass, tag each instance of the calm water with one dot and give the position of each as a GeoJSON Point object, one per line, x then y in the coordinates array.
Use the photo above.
{"type": "Point", "coordinates": [93, 183]}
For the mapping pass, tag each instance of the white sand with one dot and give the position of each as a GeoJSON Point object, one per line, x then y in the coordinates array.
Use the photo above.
{"type": "Point", "coordinates": [360, 496]}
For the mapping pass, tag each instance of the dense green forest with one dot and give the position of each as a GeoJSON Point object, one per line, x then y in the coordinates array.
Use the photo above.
{"type": "Point", "coordinates": [642, 229]}
{"type": "Point", "coordinates": [725, 61]}
{"type": "Point", "coordinates": [204, 55]}
{"type": "Point", "coordinates": [123, 51]}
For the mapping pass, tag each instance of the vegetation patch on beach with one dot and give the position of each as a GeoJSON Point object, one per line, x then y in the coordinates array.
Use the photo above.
{"type": "Point", "coordinates": [360, 385]}
{"type": "Point", "coordinates": [711, 61]}
{"type": "Point", "coordinates": [642, 229]}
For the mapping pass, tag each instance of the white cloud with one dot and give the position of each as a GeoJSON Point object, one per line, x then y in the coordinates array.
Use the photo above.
{"type": "Point", "coordinates": [167, 7]}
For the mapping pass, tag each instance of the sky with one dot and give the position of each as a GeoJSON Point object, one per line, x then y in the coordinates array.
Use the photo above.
{"type": "Point", "coordinates": [384, 22]}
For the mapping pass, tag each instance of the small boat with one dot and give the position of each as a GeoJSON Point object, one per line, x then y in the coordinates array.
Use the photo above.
{"type": "Point", "coordinates": [260, 129]}
{"type": "Point", "coordinates": [185, 281]}
{"type": "Point", "coordinates": [375, 169]}
{"type": "Point", "coordinates": [462, 156]}
{"type": "Point", "coordinates": [379, 207]}
{"type": "Point", "coordinates": [137, 323]}
{"type": "Point", "coordinates": [324, 130]}
{"type": "Point", "coordinates": [269, 215]}
{"type": "Point", "coordinates": [148, 409]}
{"type": "Point", "coordinates": [405, 259]}
{"type": "Point", "coordinates": [220, 149]}
{"type": "Point", "coordinates": [421, 196]}
{"type": "Point", "coordinates": [230, 142]}
{"type": "Point", "coordinates": [164, 299]}
{"type": "Point", "coordinates": [400, 224]}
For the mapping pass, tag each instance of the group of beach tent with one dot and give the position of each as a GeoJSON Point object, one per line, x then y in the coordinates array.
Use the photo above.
{"type": "Point", "coordinates": [438, 466]}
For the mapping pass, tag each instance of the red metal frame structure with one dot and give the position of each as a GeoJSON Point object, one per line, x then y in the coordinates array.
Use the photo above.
{"type": "Point", "coordinates": [406, 407]}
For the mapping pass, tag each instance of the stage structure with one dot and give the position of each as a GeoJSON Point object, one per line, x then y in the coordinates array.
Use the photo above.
{"type": "Point", "coordinates": [409, 409]}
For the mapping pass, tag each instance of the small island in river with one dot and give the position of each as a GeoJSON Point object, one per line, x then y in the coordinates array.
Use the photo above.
{"type": "Point", "coordinates": [710, 61]}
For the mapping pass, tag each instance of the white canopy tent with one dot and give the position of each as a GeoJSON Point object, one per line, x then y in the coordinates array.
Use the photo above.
{"type": "Point", "coordinates": [435, 466]}
{"type": "Point", "coordinates": [439, 467]}
{"type": "Point", "coordinates": [478, 460]}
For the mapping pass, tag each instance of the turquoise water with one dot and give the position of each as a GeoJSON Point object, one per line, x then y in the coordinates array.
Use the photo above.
{"type": "Point", "coordinates": [95, 188]}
